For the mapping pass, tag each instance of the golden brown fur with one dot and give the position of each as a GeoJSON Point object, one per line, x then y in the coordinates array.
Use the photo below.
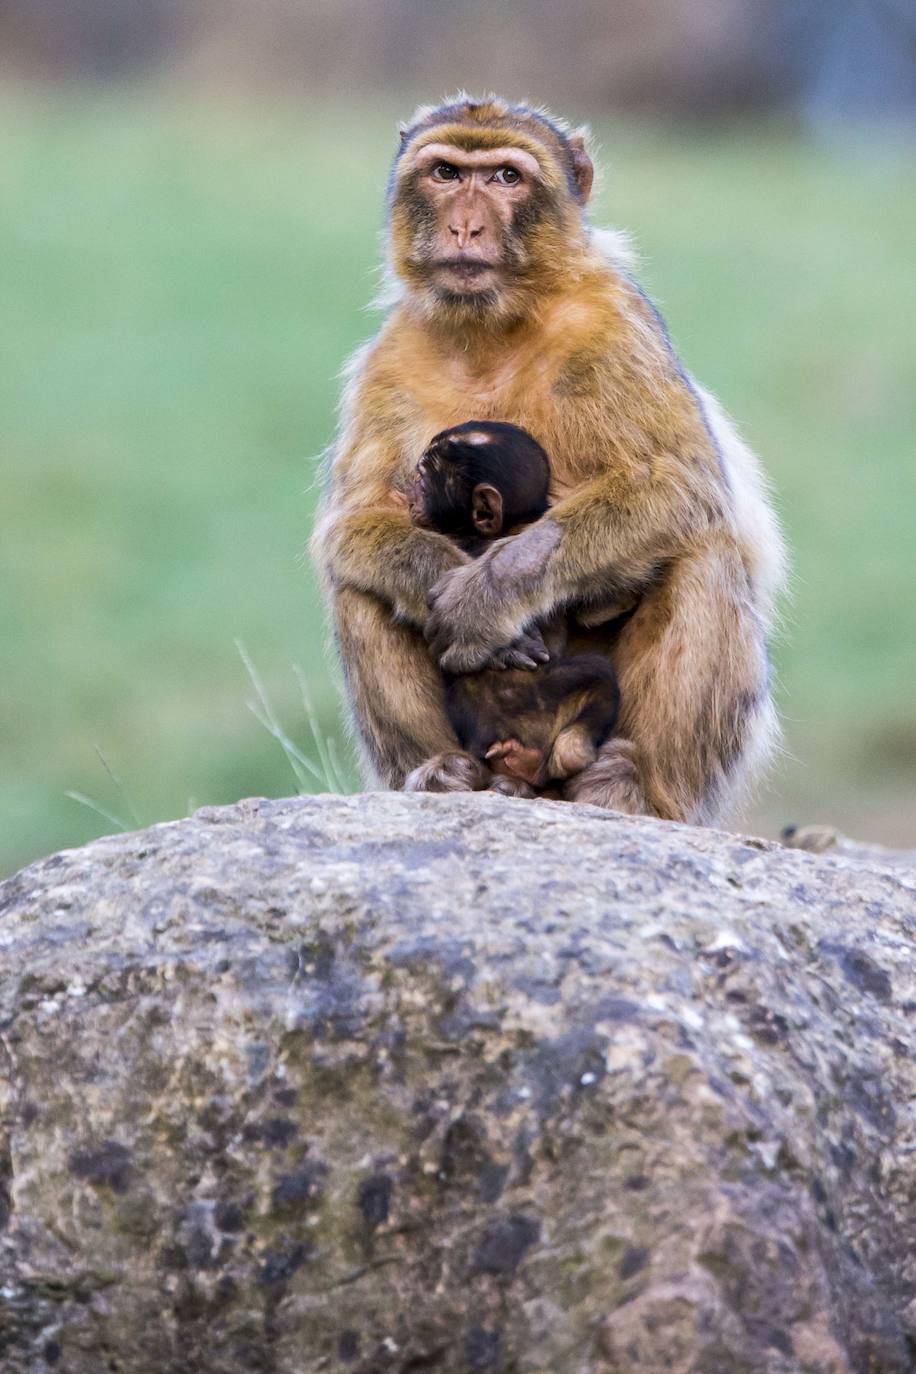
{"type": "Point", "coordinates": [655, 498]}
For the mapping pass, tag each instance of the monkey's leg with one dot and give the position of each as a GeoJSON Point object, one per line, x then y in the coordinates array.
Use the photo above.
{"type": "Point", "coordinates": [587, 712]}
{"type": "Point", "coordinates": [695, 713]}
{"type": "Point", "coordinates": [397, 703]}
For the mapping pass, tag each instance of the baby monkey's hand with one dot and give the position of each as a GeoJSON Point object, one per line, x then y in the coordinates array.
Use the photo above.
{"type": "Point", "coordinates": [513, 759]}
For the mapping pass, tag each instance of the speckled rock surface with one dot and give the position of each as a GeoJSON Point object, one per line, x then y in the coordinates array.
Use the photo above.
{"type": "Point", "coordinates": [405, 1083]}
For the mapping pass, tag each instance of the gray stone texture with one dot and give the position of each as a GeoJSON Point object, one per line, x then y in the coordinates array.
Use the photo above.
{"type": "Point", "coordinates": [422, 1083]}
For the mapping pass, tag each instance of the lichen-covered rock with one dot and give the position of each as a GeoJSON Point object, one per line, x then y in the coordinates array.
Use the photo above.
{"type": "Point", "coordinates": [404, 1083]}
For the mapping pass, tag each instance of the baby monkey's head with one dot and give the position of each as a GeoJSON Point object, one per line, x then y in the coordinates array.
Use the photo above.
{"type": "Point", "coordinates": [479, 479]}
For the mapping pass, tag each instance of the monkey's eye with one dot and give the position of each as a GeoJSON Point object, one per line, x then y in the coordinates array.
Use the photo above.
{"type": "Point", "coordinates": [444, 171]}
{"type": "Point", "coordinates": [507, 176]}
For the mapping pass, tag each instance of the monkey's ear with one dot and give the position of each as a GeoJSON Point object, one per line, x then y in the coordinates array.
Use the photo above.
{"type": "Point", "coordinates": [487, 510]}
{"type": "Point", "coordinates": [583, 167]}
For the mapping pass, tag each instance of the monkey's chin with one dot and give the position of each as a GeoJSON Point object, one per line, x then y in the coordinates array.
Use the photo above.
{"type": "Point", "coordinates": [475, 311]}
{"type": "Point", "coordinates": [490, 303]}
{"type": "Point", "coordinates": [473, 302]}
{"type": "Point", "coordinates": [467, 300]}
{"type": "Point", "coordinates": [468, 291]}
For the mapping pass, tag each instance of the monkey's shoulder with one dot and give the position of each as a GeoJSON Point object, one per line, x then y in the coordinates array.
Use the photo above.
{"type": "Point", "coordinates": [622, 344]}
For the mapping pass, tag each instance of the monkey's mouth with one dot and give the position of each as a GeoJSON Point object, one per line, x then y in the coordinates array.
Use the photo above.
{"type": "Point", "coordinates": [469, 274]}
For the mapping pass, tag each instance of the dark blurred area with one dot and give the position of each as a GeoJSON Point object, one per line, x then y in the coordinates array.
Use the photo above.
{"type": "Point", "coordinates": [825, 61]}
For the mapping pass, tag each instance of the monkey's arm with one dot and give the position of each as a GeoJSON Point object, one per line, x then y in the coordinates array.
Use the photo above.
{"type": "Point", "coordinates": [377, 549]}
{"type": "Point", "coordinates": [617, 530]}
{"type": "Point", "coordinates": [363, 536]}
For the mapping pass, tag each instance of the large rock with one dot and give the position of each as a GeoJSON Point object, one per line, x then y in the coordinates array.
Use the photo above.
{"type": "Point", "coordinates": [402, 1083]}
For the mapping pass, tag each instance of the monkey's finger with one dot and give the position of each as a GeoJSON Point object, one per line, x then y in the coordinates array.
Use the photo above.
{"type": "Point", "coordinates": [530, 647]}
{"type": "Point", "coordinates": [436, 637]}
{"type": "Point", "coordinates": [501, 659]}
{"type": "Point", "coordinates": [539, 652]}
{"type": "Point", "coordinates": [456, 658]}
{"type": "Point", "coordinates": [462, 659]}
{"type": "Point", "coordinates": [532, 642]}
{"type": "Point", "coordinates": [514, 658]}
{"type": "Point", "coordinates": [523, 652]}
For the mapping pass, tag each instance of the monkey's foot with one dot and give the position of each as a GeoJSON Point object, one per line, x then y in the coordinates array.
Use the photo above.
{"type": "Point", "coordinates": [572, 751]}
{"type": "Point", "coordinates": [453, 771]}
{"type": "Point", "coordinates": [511, 787]}
{"type": "Point", "coordinates": [612, 781]}
{"type": "Point", "coordinates": [511, 759]}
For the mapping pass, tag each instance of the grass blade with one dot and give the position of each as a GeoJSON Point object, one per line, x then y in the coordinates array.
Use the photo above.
{"type": "Point", "coordinates": [263, 713]}
{"type": "Point", "coordinates": [119, 787]}
{"type": "Point", "coordinates": [99, 810]}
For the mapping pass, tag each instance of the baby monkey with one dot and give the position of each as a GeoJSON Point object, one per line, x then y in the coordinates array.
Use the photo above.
{"type": "Point", "coordinates": [534, 725]}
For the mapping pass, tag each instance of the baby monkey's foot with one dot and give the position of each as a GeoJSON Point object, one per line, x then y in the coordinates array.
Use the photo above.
{"type": "Point", "coordinates": [512, 759]}
{"type": "Point", "coordinates": [511, 787]}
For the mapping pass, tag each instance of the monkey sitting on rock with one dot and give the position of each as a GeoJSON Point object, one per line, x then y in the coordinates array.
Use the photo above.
{"type": "Point", "coordinates": [540, 715]}
{"type": "Point", "coordinates": [506, 301]}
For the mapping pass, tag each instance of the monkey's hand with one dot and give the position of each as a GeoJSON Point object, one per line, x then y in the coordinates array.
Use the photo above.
{"type": "Point", "coordinates": [512, 759]}
{"type": "Point", "coordinates": [528, 651]}
{"type": "Point", "coordinates": [468, 629]}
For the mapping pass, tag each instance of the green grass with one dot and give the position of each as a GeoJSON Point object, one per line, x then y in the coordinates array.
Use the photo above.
{"type": "Point", "coordinates": [178, 288]}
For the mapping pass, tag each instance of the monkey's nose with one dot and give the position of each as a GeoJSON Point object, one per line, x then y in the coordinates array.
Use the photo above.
{"type": "Point", "coordinates": [465, 232]}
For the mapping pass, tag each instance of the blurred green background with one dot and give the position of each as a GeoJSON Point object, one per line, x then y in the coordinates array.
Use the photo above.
{"type": "Point", "coordinates": [184, 268]}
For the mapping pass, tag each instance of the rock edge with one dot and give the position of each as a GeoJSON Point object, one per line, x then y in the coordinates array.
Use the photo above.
{"type": "Point", "coordinates": [391, 1083]}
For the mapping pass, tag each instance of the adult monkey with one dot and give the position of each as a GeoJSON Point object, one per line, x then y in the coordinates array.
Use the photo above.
{"type": "Point", "coordinates": [511, 307]}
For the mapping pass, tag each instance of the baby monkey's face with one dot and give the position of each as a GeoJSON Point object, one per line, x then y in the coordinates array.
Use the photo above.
{"type": "Point", "coordinates": [430, 497]}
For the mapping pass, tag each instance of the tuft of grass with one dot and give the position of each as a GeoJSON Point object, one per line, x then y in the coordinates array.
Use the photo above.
{"type": "Point", "coordinates": [321, 772]}
{"type": "Point", "coordinates": [120, 790]}
{"type": "Point", "coordinates": [175, 304]}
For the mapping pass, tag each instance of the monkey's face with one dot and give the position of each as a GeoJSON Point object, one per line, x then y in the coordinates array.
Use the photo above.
{"type": "Point", "coordinates": [467, 238]}
{"type": "Point", "coordinates": [439, 495]}
{"type": "Point", "coordinates": [485, 205]}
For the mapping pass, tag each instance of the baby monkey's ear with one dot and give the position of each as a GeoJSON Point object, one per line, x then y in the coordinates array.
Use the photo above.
{"type": "Point", "coordinates": [487, 510]}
